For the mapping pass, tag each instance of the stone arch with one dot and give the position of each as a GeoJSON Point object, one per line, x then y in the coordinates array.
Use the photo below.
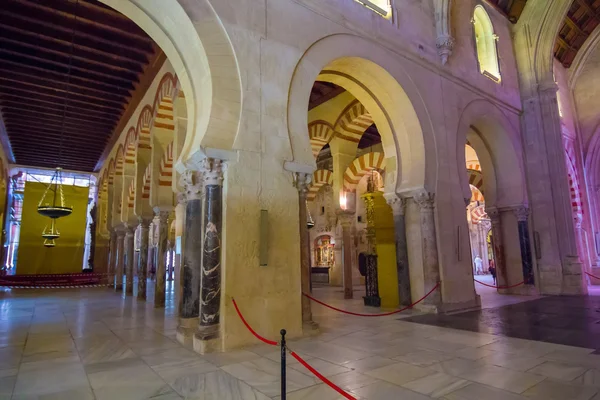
{"type": "Point", "coordinates": [320, 177]}
{"type": "Point", "coordinates": [320, 134]}
{"type": "Point", "coordinates": [166, 167]}
{"type": "Point", "coordinates": [476, 179]}
{"type": "Point", "coordinates": [143, 127]}
{"type": "Point", "coordinates": [476, 194]}
{"type": "Point", "coordinates": [202, 56]}
{"type": "Point", "coordinates": [361, 167]}
{"type": "Point", "coordinates": [119, 160]}
{"type": "Point", "coordinates": [376, 77]}
{"type": "Point", "coordinates": [497, 144]}
{"type": "Point", "coordinates": [353, 122]}
{"type": "Point", "coordinates": [130, 147]}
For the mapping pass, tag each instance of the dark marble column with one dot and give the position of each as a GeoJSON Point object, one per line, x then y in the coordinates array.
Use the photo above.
{"type": "Point", "coordinates": [210, 285]}
{"type": "Point", "coordinates": [143, 258]}
{"type": "Point", "coordinates": [522, 214]}
{"type": "Point", "coordinates": [162, 218]}
{"type": "Point", "coordinates": [431, 266]}
{"type": "Point", "coordinates": [129, 254]}
{"type": "Point", "coordinates": [112, 259]}
{"type": "Point", "coordinates": [398, 206]}
{"type": "Point", "coordinates": [189, 303]}
{"type": "Point", "coordinates": [120, 260]}
{"type": "Point", "coordinates": [346, 219]}
{"type": "Point", "coordinates": [302, 186]}
{"type": "Point", "coordinates": [498, 243]}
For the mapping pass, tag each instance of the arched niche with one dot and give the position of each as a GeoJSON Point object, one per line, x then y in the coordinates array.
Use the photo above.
{"type": "Point", "coordinates": [485, 44]}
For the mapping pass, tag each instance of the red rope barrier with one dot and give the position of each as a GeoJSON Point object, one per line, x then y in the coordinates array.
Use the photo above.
{"type": "Point", "coordinates": [373, 315]}
{"type": "Point", "coordinates": [262, 339]}
{"type": "Point", "coordinates": [499, 287]}
{"type": "Point", "coordinates": [593, 276]}
{"type": "Point", "coordinates": [321, 377]}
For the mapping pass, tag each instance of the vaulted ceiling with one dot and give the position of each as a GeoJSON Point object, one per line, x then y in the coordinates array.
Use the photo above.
{"type": "Point", "coordinates": [511, 8]}
{"type": "Point", "coordinates": [54, 118]}
{"type": "Point", "coordinates": [581, 20]}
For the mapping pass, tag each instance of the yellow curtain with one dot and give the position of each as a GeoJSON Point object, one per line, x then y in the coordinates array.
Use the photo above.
{"type": "Point", "coordinates": [67, 256]}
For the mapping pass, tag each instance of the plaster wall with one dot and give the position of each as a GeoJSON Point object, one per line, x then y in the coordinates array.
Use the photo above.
{"type": "Point", "coordinates": [585, 94]}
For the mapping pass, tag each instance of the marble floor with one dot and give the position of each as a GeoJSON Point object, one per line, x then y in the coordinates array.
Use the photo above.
{"type": "Point", "coordinates": [96, 344]}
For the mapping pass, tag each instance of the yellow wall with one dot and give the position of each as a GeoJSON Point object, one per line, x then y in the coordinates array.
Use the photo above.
{"type": "Point", "coordinates": [67, 256]}
{"type": "Point", "coordinates": [387, 272]}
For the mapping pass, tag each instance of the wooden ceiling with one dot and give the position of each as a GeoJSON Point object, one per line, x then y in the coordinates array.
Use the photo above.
{"type": "Point", "coordinates": [322, 92]}
{"type": "Point", "coordinates": [108, 56]}
{"type": "Point", "coordinates": [581, 20]}
{"type": "Point", "coordinates": [511, 8]}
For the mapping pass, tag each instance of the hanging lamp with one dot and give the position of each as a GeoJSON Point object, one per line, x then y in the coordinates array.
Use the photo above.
{"type": "Point", "coordinates": [49, 243]}
{"type": "Point", "coordinates": [51, 233]}
{"type": "Point", "coordinates": [52, 203]}
{"type": "Point", "coordinates": [310, 223]}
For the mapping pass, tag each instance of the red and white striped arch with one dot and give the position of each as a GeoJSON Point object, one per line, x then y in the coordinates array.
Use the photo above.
{"type": "Point", "coordinates": [478, 214]}
{"type": "Point", "coordinates": [146, 182]}
{"type": "Point", "coordinates": [320, 178]}
{"type": "Point", "coordinates": [111, 171]}
{"type": "Point", "coordinates": [361, 167]}
{"type": "Point", "coordinates": [131, 194]}
{"type": "Point", "coordinates": [320, 133]}
{"type": "Point", "coordinates": [476, 194]}
{"type": "Point", "coordinates": [353, 122]}
{"type": "Point", "coordinates": [143, 127]}
{"type": "Point", "coordinates": [573, 176]}
{"type": "Point", "coordinates": [476, 179]}
{"type": "Point", "coordinates": [165, 177]}
{"type": "Point", "coordinates": [130, 140]}
{"type": "Point", "coordinates": [120, 160]}
{"type": "Point", "coordinates": [163, 102]}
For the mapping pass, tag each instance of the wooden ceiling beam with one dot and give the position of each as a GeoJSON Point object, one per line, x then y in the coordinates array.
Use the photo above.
{"type": "Point", "coordinates": [63, 33]}
{"type": "Point", "coordinates": [53, 125]}
{"type": "Point", "coordinates": [58, 109]}
{"type": "Point", "coordinates": [49, 56]}
{"type": "Point", "coordinates": [28, 132]}
{"type": "Point", "coordinates": [573, 25]}
{"type": "Point", "coordinates": [33, 91]}
{"type": "Point", "coordinates": [25, 112]}
{"type": "Point", "coordinates": [54, 158]}
{"type": "Point", "coordinates": [45, 43]}
{"type": "Point", "coordinates": [40, 103]}
{"type": "Point", "coordinates": [39, 68]}
{"type": "Point", "coordinates": [57, 18]}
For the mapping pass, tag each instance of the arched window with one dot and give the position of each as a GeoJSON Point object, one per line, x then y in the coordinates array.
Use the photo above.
{"type": "Point", "coordinates": [381, 7]}
{"type": "Point", "coordinates": [485, 40]}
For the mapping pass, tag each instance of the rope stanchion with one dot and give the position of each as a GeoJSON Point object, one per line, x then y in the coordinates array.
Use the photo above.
{"type": "Point", "coordinates": [499, 287]}
{"type": "Point", "coordinates": [262, 339]}
{"type": "Point", "coordinates": [593, 276]}
{"type": "Point", "coordinates": [374, 315]}
{"type": "Point", "coordinates": [321, 377]}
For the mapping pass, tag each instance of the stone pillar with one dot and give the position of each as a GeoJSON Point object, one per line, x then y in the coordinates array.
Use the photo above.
{"type": "Point", "coordinates": [302, 186]}
{"type": "Point", "coordinates": [398, 206]}
{"type": "Point", "coordinates": [189, 305]}
{"type": "Point", "coordinates": [178, 254]}
{"type": "Point", "coordinates": [522, 214]}
{"type": "Point", "coordinates": [431, 267]}
{"type": "Point", "coordinates": [346, 218]}
{"type": "Point", "coordinates": [129, 254]}
{"type": "Point", "coordinates": [112, 259]}
{"type": "Point", "coordinates": [210, 284]}
{"type": "Point", "coordinates": [143, 258]}
{"type": "Point", "coordinates": [497, 242]}
{"type": "Point", "coordinates": [162, 218]}
{"type": "Point", "coordinates": [120, 260]}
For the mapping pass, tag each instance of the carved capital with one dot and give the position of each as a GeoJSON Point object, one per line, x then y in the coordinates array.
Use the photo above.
{"type": "Point", "coordinates": [144, 222]}
{"type": "Point", "coordinates": [444, 45]}
{"type": "Point", "coordinates": [192, 184]}
{"type": "Point", "coordinates": [398, 204]}
{"type": "Point", "coordinates": [302, 182]}
{"type": "Point", "coordinates": [212, 170]}
{"type": "Point", "coordinates": [522, 213]}
{"type": "Point", "coordinates": [345, 218]}
{"type": "Point", "coordinates": [162, 216]}
{"type": "Point", "coordinates": [425, 200]}
{"type": "Point", "coordinates": [493, 213]}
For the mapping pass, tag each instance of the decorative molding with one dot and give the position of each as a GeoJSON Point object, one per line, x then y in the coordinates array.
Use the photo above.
{"type": "Point", "coordinates": [301, 182]}
{"type": "Point", "coordinates": [213, 171]}
{"type": "Point", "coordinates": [192, 184]}
{"type": "Point", "coordinates": [444, 41]}
{"type": "Point", "coordinates": [425, 200]}
{"type": "Point", "coordinates": [522, 213]}
{"type": "Point", "coordinates": [398, 204]}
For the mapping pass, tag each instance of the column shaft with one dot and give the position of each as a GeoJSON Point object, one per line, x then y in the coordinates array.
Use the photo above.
{"type": "Point", "coordinates": [346, 219]}
{"type": "Point", "coordinates": [497, 242]}
{"type": "Point", "coordinates": [129, 254]}
{"type": "Point", "coordinates": [192, 259]}
{"type": "Point", "coordinates": [161, 260]}
{"type": "Point", "coordinates": [431, 267]}
{"type": "Point", "coordinates": [112, 259]}
{"type": "Point", "coordinates": [120, 259]}
{"type": "Point", "coordinates": [143, 258]}
{"type": "Point", "coordinates": [301, 185]}
{"type": "Point", "coordinates": [526, 258]}
{"type": "Point", "coordinates": [398, 206]}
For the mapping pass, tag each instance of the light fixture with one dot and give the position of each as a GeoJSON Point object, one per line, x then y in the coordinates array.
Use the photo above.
{"type": "Point", "coordinates": [49, 243]}
{"type": "Point", "coordinates": [52, 204]}
{"type": "Point", "coordinates": [343, 201]}
{"type": "Point", "coordinates": [310, 223]}
{"type": "Point", "coordinates": [51, 233]}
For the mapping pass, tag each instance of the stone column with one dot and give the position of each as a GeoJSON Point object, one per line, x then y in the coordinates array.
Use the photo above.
{"type": "Point", "coordinates": [431, 267]}
{"type": "Point", "coordinates": [162, 218]}
{"type": "Point", "coordinates": [189, 305]}
{"type": "Point", "coordinates": [129, 254]}
{"type": "Point", "coordinates": [112, 259]}
{"type": "Point", "coordinates": [398, 206]}
{"type": "Point", "coordinates": [143, 258]}
{"type": "Point", "coordinates": [120, 259]}
{"type": "Point", "coordinates": [302, 186]}
{"type": "Point", "coordinates": [497, 242]}
{"type": "Point", "coordinates": [346, 218]}
{"type": "Point", "coordinates": [522, 214]}
{"type": "Point", "coordinates": [210, 284]}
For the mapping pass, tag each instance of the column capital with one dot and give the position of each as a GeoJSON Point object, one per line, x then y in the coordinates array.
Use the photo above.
{"type": "Point", "coordinates": [302, 182]}
{"type": "Point", "coordinates": [493, 213]}
{"type": "Point", "coordinates": [397, 203]}
{"type": "Point", "coordinates": [144, 222]}
{"type": "Point", "coordinates": [425, 200]}
{"type": "Point", "coordinates": [444, 45]}
{"type": "Point", "coordinates": [346, 218]}
{"type": "Point", "coordinates": [162, 215]}
{"type": "Point", "coordinates": [191, 181]}
{"type": "Point", "coordinates": [522, 213]}
{"type": "Point", "coordinates": [212, 171]}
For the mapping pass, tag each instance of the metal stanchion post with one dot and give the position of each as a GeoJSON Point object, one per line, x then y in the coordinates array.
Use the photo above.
{"type": "Point", "coordinates": [283, 349]}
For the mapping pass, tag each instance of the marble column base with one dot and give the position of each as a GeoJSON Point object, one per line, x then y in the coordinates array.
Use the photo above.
{"type": "Point", "coordinates": [185, 330]}
{"type": "Point", "coordinates": [427, 308]}
{"type": "Point", "coordinates": [471, 305]}
{"type": "Point", "coordinates": [310, 328]}
{"type": "Point", "coordinates": [204, 346]}
{"type": "Point", "coordinates": [595, 271]}
{"type": "Point", "coordinates": [572, 278]}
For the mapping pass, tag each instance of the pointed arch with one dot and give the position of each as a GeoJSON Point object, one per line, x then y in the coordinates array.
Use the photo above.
{"type": "Point", "coordinates": [361, 167]}
{"type": "Point", "coordinates": [320, 178]}
{"type": "Point", "coordinates": [320, 133]}
{"type": "Point", "coordinates": [353, 122]}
